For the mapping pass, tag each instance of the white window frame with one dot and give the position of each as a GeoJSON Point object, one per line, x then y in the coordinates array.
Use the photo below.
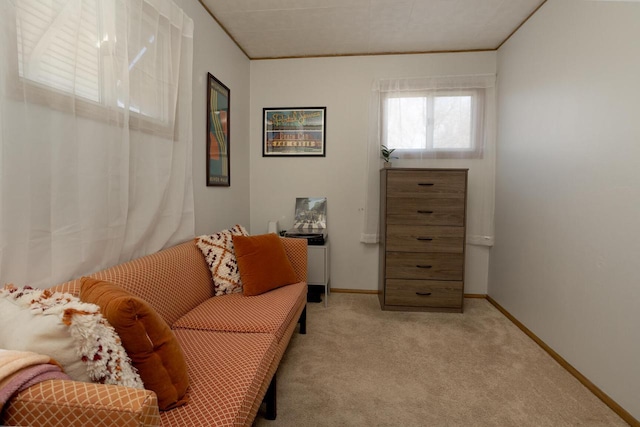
{"type": "Point", "coordinates": [429, 151]}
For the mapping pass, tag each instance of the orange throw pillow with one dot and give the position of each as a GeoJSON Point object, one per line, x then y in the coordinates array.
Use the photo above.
{"type": "Point", "coordinates": [148, 340]}
{"type": "Point", "coordinates": [263, 263]}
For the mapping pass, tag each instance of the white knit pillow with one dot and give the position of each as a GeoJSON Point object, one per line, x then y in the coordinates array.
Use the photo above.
{"type": "Point", "coordinates": [220, 256]}
{"type": "Point", "coordinates": [72, 332]}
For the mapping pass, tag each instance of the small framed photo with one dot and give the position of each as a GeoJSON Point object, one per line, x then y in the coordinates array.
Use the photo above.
{"type": "Point", "coordinates": [291, 132]}
{"type": "Point", "coordinates": [311, 214]}
{"type": "Point", "coordinates": [218, 126]}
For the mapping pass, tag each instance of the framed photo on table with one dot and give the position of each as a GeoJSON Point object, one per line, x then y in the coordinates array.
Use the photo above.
{"type": "Point", "coordinates": [218, 126]}
{"type": "Point", "coordinates": [290, 132]}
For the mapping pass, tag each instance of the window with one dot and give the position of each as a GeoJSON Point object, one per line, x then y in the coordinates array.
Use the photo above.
{"type": "Point", "coordinates": [434, 123]}
{"type": "Point", "coordinates": [58, 47]}
{"type": "Point", "coordinates": [90, 51]}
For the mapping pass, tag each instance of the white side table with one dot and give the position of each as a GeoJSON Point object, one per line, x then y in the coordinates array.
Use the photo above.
{"type": "Point", "coordinates": [318, 268]}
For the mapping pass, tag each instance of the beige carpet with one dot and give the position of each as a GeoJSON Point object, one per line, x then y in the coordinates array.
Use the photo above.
{"type": "Point", "coordinates": [360, 366]}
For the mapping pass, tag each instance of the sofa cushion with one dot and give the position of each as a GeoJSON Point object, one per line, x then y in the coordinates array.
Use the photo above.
{"type": "Point", "coordinates": [263, 263]}
{"type": "Point", "coordinates": [218, 251]}
{"type": "Point", "coordinates": [227, 372]}
{"type": "Point", "coordinates": [73, 333]}
{"type": "Point", "coordinates": [270, 312]}
{"type": "Point", "coordinates": [149, 341]}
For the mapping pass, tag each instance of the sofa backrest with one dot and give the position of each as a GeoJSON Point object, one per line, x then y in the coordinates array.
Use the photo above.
{"type": "Point", "coordinates": [296, 250]}
{"type": "Point", "coordinates": [177, 279]}
{"type": "Point", "coordinates": [174, 280]}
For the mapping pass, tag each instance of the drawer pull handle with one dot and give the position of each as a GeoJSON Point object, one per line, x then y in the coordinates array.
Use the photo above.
{"type": "Point", "coordinates": [428, 239]}
{"type": "Point", "coordinates": [423, 294]}
{"type": "Point", "coordinates": [423, 266]}
{"type": "Point", "coordinates": [425, 212]}
{"type": "Point", "coordinates": [426, 184]}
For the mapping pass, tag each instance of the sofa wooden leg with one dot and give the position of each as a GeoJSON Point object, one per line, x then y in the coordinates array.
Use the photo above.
{"type": "Point", "coordinates": [303, 321]}
{"type": "Point", "coordinates": [271, 400]}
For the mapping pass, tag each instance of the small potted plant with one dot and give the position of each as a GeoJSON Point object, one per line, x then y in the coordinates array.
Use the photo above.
{"type": "Point", "coordinates": [385, 153]}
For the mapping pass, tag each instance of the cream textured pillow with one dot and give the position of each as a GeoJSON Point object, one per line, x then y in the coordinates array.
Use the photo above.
{"type": "Point", "coordinates": [220, 256]}
{"type": "Point", "coordinates": [72, 332]}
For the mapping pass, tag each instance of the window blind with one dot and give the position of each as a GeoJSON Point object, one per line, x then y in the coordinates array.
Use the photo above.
{"type": "Point", "coordinates": [59, 45]}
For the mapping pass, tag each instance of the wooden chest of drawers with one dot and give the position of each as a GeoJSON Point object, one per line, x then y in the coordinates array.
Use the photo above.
{"type": "Point", "coordinates": [422, 231]}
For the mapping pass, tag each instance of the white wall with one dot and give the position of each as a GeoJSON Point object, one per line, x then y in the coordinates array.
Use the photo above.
{"type": "Point", "coordinates": [217, 208]}
{"type": "Point", "coordinates": [568, 188]}
{"type": "Point", "coordinates": [343, 85]}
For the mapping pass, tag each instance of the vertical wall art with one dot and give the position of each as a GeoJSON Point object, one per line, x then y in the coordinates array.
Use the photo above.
{"type": "Point", "coordinates": [218, 126]}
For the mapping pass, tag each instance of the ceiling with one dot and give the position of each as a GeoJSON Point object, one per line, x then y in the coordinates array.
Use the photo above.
{"type": "Point", "coordinates": [304, 28]}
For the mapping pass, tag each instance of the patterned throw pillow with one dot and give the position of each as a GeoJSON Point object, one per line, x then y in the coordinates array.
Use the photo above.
{"type": "Point", "coordinates": [72, 332]}
{"type": "Point", "coordinates": [220, 256]}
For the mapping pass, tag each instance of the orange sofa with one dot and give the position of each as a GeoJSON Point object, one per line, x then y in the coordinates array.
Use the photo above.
{"type": "Point", "coordinates": [232, 344]}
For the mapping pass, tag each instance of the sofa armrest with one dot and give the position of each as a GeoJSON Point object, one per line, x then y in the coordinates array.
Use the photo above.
{"type": "Point", "coordinates": [296, 250]}
{"type": "Point", "coordinates": [74, 403]}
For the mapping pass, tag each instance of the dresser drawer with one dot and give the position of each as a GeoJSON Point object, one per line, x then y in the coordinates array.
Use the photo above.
{"type": "Point", "coordinates": [424, 265]}
{"type": "Point", "coordinates": [423, 293]}
{"type": "Point", "coordinates": [415, 238]}
{"type": "Point", "coordinates": [434, 184]}
{"type": "Point", "coordinates": [426, 211]}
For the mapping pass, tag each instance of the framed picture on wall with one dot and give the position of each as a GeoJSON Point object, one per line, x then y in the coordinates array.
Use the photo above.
{"type": "Point", "coordinates": [218, 126]}
{"type": "Point", "coordinates": [290, 132]}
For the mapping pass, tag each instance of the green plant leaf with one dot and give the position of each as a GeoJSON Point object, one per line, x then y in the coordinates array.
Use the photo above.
{"type": "Point", "coordinates": [385, 153]}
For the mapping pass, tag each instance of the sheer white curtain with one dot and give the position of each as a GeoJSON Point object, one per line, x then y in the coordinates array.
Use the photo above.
{"type": "Point", "coordinates": [428, 144]}
{"type": "Point", "coordinates": [95, 134]}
